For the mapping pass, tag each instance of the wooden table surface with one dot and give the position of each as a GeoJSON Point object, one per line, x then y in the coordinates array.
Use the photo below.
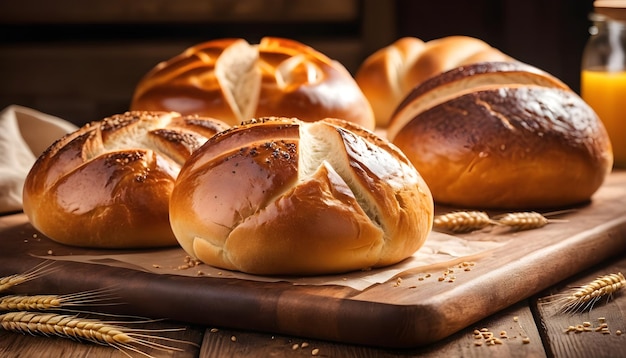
{"type": "Point", "coordinates": [531, 327]}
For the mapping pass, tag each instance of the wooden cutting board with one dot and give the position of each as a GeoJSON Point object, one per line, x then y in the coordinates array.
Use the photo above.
{"type": "Point", "coordinates": [414, 310]}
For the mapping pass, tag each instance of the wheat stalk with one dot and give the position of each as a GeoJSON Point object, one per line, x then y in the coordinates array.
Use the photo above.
{"type": "Point", "coordinates": [527, 220]}
{"type": "Point", "coordinates": [52, 302]}
{"type": "Point", "coordinates": [523, 220]}
{"type": "Point", "coordinates": [462, 221]}
{"type": "Point", "coordinates": [10, 281]}
{"type": "Point", "coordinates": [585, 297]}
{"type": "Point", "coordinates": [95, 331]}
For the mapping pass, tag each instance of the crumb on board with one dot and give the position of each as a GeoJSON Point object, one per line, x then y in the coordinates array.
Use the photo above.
{"type": "Point", "coordinates": [587, 326]}
{"type": "Point", "coordinates": [485, 336]}
{"type": "Point", "coordinates": [398, 282]}
{"type": "Point", "coordinates": [189, 262]}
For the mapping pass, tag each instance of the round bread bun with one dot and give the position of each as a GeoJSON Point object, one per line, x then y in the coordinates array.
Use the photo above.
{"type": "Point", "coordinates": [278, 196]}
{"type": "Point", "coordinates": [389, 74]}
{"type": "Point", "coordinates": [107, 185]}
{"type": "Point", "coordinates": [235, 81]}
{"type": "Point", "coordinates": [502, 135]}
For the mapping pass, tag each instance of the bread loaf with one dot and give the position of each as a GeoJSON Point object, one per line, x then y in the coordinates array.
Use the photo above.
{"type": "Point", "coordinates": [502, 135]}
{"type": "Point", "coordinates": [234, 81]}
{"type": "Point", "coordinates": [107, 185]}
{"type": "Point", "coordinates": [283, 196]}
{"type": "Point", "coordinates": [389, 74]}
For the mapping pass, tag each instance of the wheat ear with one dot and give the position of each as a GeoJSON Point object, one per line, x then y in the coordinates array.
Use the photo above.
{"type": "Point", "coordinates": [7, 282]}
{"type": "Point", "coordinates": [55, 302]}
{"type": "Point", "coordinates": [86, 330]}
{"type": "Point", "coordinates": [462, 221]}
{"type": "Point", "coordinates": [585, 297]}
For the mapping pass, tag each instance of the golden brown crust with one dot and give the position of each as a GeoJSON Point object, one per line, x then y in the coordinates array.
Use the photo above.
{"type": "Point", "coordinates": [390, 73]}
{"type": "Point", "coordinates": [283, 196]}
{"type": "Point", "coordinates": [280, 77]}
{"type": "Point", "coordinates": [107, 185]}
{"type": "Point", "coordinates": [500, 138]}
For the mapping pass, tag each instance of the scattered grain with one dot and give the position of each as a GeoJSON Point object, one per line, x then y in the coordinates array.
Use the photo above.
{"type": "Point", "coordinates": [398, 282]}
{"type": "Point", "coordinates": [233, 338]}
{"type": "Point", "coordinates": [315, 351]}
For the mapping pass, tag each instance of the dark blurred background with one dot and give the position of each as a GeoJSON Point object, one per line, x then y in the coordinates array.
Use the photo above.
{"type": "Point", "coordinates": [80, 60]}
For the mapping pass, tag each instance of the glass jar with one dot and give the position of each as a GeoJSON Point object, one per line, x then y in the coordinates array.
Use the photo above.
{"type": "Point", "coordinates": [603, 74]}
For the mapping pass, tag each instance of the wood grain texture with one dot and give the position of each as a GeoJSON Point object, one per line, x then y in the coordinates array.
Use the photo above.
{"type": "Point", "coordinates": [517, 321]}
{"type": "Point", "coordinates": [415, 313]}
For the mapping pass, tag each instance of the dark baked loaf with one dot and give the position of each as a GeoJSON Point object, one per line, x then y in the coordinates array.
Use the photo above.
{"type": "Point", "coordinates": [502, 135]}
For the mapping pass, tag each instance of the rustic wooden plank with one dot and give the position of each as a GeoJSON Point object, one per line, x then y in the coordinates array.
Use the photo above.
{"type": "Point", "coordinates": [587, 343]}
{"type": "Point", "coordinates": [522, 340]}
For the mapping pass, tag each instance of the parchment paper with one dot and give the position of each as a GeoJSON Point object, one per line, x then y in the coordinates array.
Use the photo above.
{"type": "Point", "coordinates": [439, 248]}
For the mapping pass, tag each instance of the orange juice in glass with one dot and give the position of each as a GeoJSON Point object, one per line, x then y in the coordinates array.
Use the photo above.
{"type": "Point", "coordinates": [605, 92]}
{"type": "Point", "coordinates": [603, 75]}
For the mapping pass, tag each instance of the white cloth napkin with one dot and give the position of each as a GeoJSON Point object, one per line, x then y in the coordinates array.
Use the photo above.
{"type": "Point", "coordinates": [24, 134]}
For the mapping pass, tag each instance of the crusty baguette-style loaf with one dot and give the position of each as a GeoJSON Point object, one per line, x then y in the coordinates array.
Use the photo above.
{"type": "Point", "coordinates": [107, 185]}
{"type": "Point", "coordinates": [234, 81]}
{"type": "Point", "coordinates": [283, 196]}
{"type": "Point", "coordinates": [502, 135]}
{"type": "Point", "coordinates": [390, 73]}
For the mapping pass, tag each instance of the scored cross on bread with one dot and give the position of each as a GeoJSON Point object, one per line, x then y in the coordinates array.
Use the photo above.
{"type": "Point", "coordinates": [283, 196]}
{"type": "Point", "coordinates": [234, 81]}
{"type": "Point", "coordinates": [107, 185]}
